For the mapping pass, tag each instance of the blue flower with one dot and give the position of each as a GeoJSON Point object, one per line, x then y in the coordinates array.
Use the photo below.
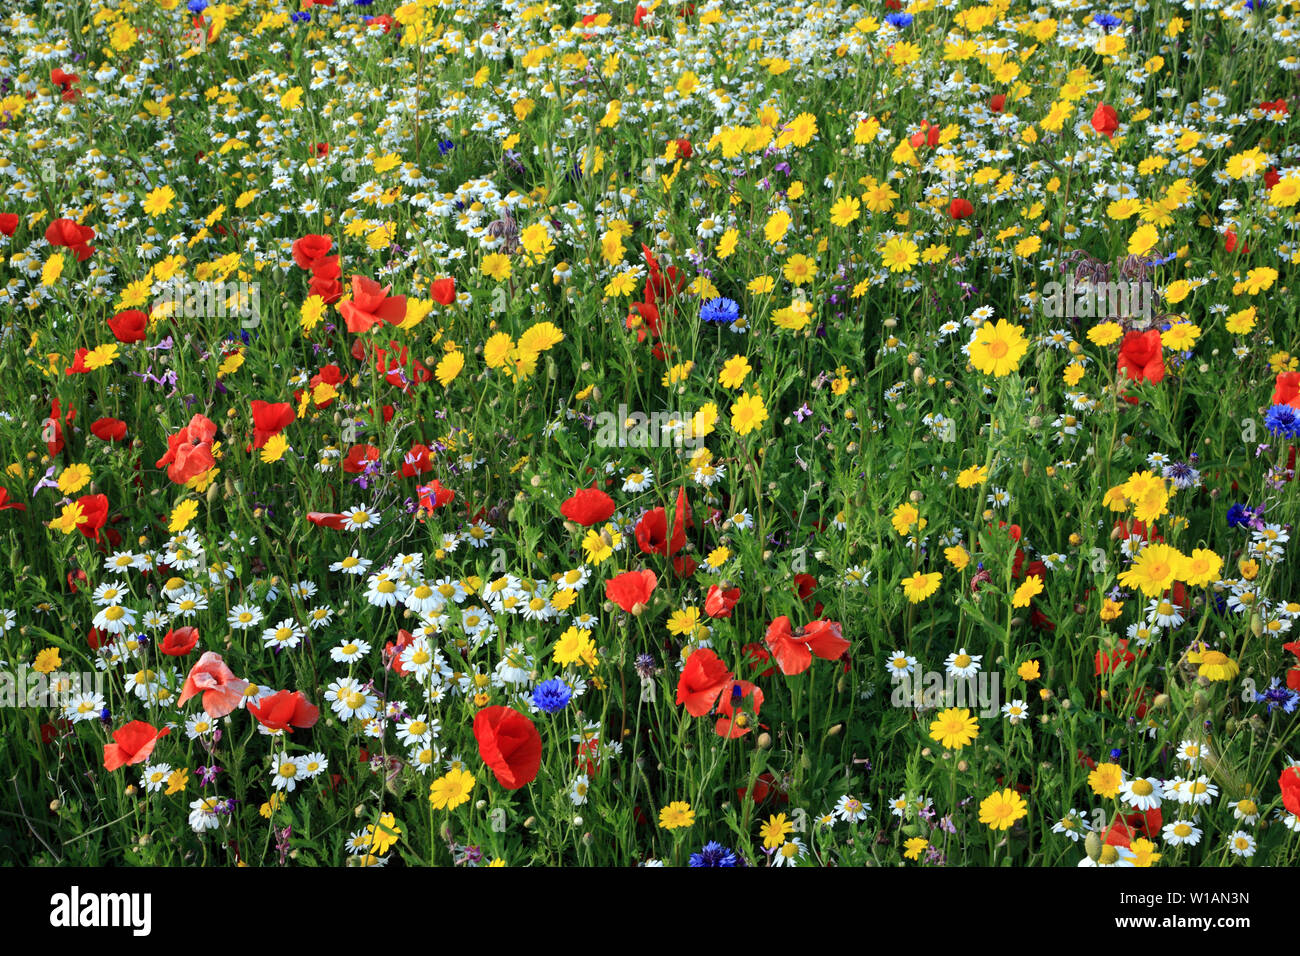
{"type": "Point", "coordinates": [713, 854]}
{"type": "Point", "coordinates": [1279, 696]}
{"type": "Point", "coordinates": [1106, 20]}
{"type": "Point", "coordinates": [1283, 421]}
{"type": "Point", "coordinates": [197, 6]}
{"type": "Point", "coordinates": [720, 310]}
{"type": "Point", "coordinates": [899, 20]}
{"type": "Point", "coordinates": [446, 146]}
{"type": "Point", "coordinates": [1238, 516]}
{"type": "Point", "coordinates": [551, 695]}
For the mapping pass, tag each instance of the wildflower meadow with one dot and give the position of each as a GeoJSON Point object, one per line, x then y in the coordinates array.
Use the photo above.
{"type": "Point", "coordinates": [684, 434]}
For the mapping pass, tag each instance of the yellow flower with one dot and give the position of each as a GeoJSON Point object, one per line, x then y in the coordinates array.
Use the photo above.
{"type": "Point", "coordinates": [845, 210]}
{"type": "Point", "coordinates": [1001, 809]}
{"type": "Point", "coordinates": [957, 556]}
{"type": "Point", "coordinates": [727, 244]}
{"type": "Point", "coordinates": [1201, 567]}
{"type": "Point", "coordinates": [914, 847]}
{"type": "Point", "coordinates": [52, 270]}
{"type": "Point", "coordinates": [274, 448]}
{"type": "Point", "coordinates": [1105, 333]}
{"type": "Point", "coordinates": [905, 515]}
{"type": "Point", "coordinates": [1240, 323]}
{"type": "Point", "coordinates": [1024, 594]}
{"type": "Point", "coordinates": [748, 413]}
{"type": "Point", "coordinates": [178, 781]}
{"type": "Point", "coordinates": [998, 348]}
{"type": "Point", "coordinates": [1028, 671]}
{"type": "Point", "coordinates": [954, 728]}
{"type": "Point", "coordinates": [496, 266]}
{"type": "Point", "coordinates": [1073, 373]}
{"type": "Point", "coordinates": [778, 224]}
{"type": "Point", "coordinates": [1105, 780]}
{"type": "Point", "coordinates": [158, 201]}
{"type": "Point", "coordinates": [540, 337]}
{"type": "Point", "coordinates": [1180, 336]}
{"type": "Point", "coordinates": [774, 831]}
{"type": "Point", "coordinates": [799, 269]}
{"type": "Point", "coordinates": [734, 371]}
{"type": "Point", "coordinates": [1285, 192]}
{"type": "Point", "coordinates": [899, 255]}
{"type": "Point", "coordinates": [182, 515]}
{"type": "Point", "coordinates": [73, 478]}
{"type": "Point", "coordinates": [451, 790]}
{"type": "Point", "coordinates": [100, 356]}
{"type": "Point", "coordinates": [1143, 240]}
{"type": "Point", "coordinates": [1144, 852]}
{"type": "Point", "coordinates": [973, 477]}
{"type": "Point", "coordinates": [47, 660]}
{"type": "Point", "coordinates": [1213, 665]}
{"type": "Point", "coordinates": [449, 367]}
{"type": "Point", "coordinates": [1153, 570]}
{"type": "Point", "coordinates": [1111, 609]}
{"type": "Point", "coordinates": [387, 833]}
{"type": "Point", "coordinates": [676, 815]}
{"type": "Point", "coordinates": [920, 586]}
{"type": "Point", "coordinates": [573, 647]}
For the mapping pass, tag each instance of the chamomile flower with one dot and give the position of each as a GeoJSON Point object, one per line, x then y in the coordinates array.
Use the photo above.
{"type": "Point", "coordinates": [349, 651]}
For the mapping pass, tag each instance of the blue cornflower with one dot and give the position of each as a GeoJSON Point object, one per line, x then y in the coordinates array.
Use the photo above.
{"type": "Point", "coordinates": [302, 16]}
{"type": "Point", "coordinates": [713, 854]}
{"type": "Point", "coordinates": [1106, 20]}
{"type": "Point", "coordinates": [1116, 753]}
{"type": "Point", "coordinates": [720, 310]}
{"type": "Point", "coordinates": [551, 695]}
{"type": "Point", "coordinates": [1256, 4]}
{"type": "Point", "coordinates": [446, 146]}
{"type": "Point", "coordinates": [899, 20]}
{"type": "Point", "coordinates": [1279, 696]}
{"type": "Point", "coordinates": [1239, 516]}
{"type": "Point", "coordinates": [197, 6]}
{"type": "Point", "coordinates": [1283, 421]}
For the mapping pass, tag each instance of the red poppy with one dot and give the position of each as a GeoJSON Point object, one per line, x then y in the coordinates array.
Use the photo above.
{"type": "Point", "coordinates": [736, 720]}
{"type": "Point", "coordinates": [719, 601]}
{"type": "Point", "coordinates": [652, 530]}
{"type": "Point", "coordinates": [180, 641]}
{"type": "Point", "coordinates": [1141, 359]}
{"type": "Point", "coordinates": [371, 304]}
{"type": "Point", "coordinates": [269, 419]}
{"type": "Point", "coordinates": [1230, 242]}
{"type": "Point", "coordinates": [1290, 784]}
{"type": "Point", "coordinates": [6, 504]}
{"type": "Point", "coordinates": [189, 451]}
{"type": "Point", "coordinates": [132, 744]}
{"type": "Point", "coordinates": [588, 506]}
{"type": "Point", "coordinates": [1274, 106]}
{"type": "Point", "coordinates": [311, 251]}
{"type": "Point", "coordinates": [393, 651]}
{"type": "Point", "coordinates": [52, 428]}
{"type": "Point", "coordinates": [8, 222]}
{"type": "Point", "coordinates": [1272, 177]}
{"type": "Point", "coordinates": [998, 102]}
{"type": "Point", "coordinates": [631, 590]}
{"type": "Point", "coordinates": [433, 496]}
{"type": "Point", "coordinates": [960, 208]}
{"type": "Point", "coordinates": [357, 457]}
{"type": "Point", "coordinates": [794, 650]}
{"type": "Point", "coordinates": [684, 148]}
{"type": "Point", "coordinates": [703, 679]}
{"type": "Point", "coordinates": [443, 291]}
{"type": "Point", "coordinates": [325, 280]}
{"type": "Point", "coordinates": [76, 238]}
{"type": "Point", "coordinates": [758, 656]}
{"type": "Point", "coordinates": [416, 461]}
{"type": "Point", "coordinates": [1105, 120]}
{"type": "Point", "coordinates": [62, 79]}
{"type": "Point", "coordinates": [129, 326]}
{"type": "Point", "coordinates": [108, 429]}
{"type": "Point", "coordinates": [1286, 389]}
{"type": "Point", "coordinates": [1118, 659]}
{"type": "Point", "coordinates": [325, 519]}
{"type": "Point", "coordinates": [927, 135]}
{"type": "Point", "coordinates": [285, 710]}
{"type": "Point", "coordinates": [509, 744]}
{"type": "Point", "coordinates": [94, 515]}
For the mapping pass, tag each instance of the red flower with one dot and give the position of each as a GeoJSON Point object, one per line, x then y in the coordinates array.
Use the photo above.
{"type": "Point", "coordinates": [129, 326]}
{"type": "Point", "coordinates": [285, 710]}
{"type": "Point", "coordinates": [94, 511]}
{"type": "Point", "coordinates": [180, 641]}
{"type": "Point", "coordinates": [631, 590]}
{"type": "Point", "coordinates": [108, 429]}
{"type": "Point", "coordinates": [371, 304]}
{"type": "Point", "coordinates": [269, 419]}
{"type": "Point", "coordinates": [52, 428]}
{"type": "Point", "coordinates": [63, 80]}
{"type": "Point", "coordinates": [132, 744]}
{"type": "Point", "coordinates": [1230, 242]}
{"type": "Point", "coordinates": [703, 678]}
{"type": "Point", "coordinates": [358, 455]}
{"type": "Point", "coordinates": [1286, 390]}
{"type": "Point", "coordinates": [960, 208]}
{"type": "Point", "coordinates": [8, 222]}
{"type": "Point", "coordinates": [393, 652]}
{"type": "Point", "coordinates": [1118, 659]}
{"type": "Point", "coordinates": [325, 280]}
{"type": "Point", "coordinates": [588, 506]}
{"type": "Point", "coordinates": [757, 658]}
{"type": "Point", "coordinates": [6, 504]}
{"type": "Point", "coordinates": [1105, 120]}
{"type": "Point", "coordinates": [416, 461]}
{"type": "Point", "coordinates": [794, 650]}
{"type": "Point", "coordinates": [684, 148]}
{"type": "Point", "coordinates": [734, 721]}
{"type": "Point", "coordinates": [719, 602]}
{"type": "Point", "coordinates": [434, 496]}
{"type": "Point", "coordinates": [1290, 784]}
{"type": "Point", "coordinates": [189, 451]}
{"type": "Point", "coordinates": [1271, 177]}
{"type": "Point", "coordinates": [311, 251]}
{"type": "Point", "coordinates": [509, 744]}
{"type": "Point", "coordinates": [1140, 357]}
{"type": "Point", "coordinates": [65, 232]}
{"type": "Point", "coordinates": [652, 530]}
{"type": "Point", "coordinates": [323, 519]}
{"type": "Point", "coordinates": [443, 291]}
{"type": "Point", "coordinates": [998, 103]}
{"type": "Point", "coordinates": [1274, 106]}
